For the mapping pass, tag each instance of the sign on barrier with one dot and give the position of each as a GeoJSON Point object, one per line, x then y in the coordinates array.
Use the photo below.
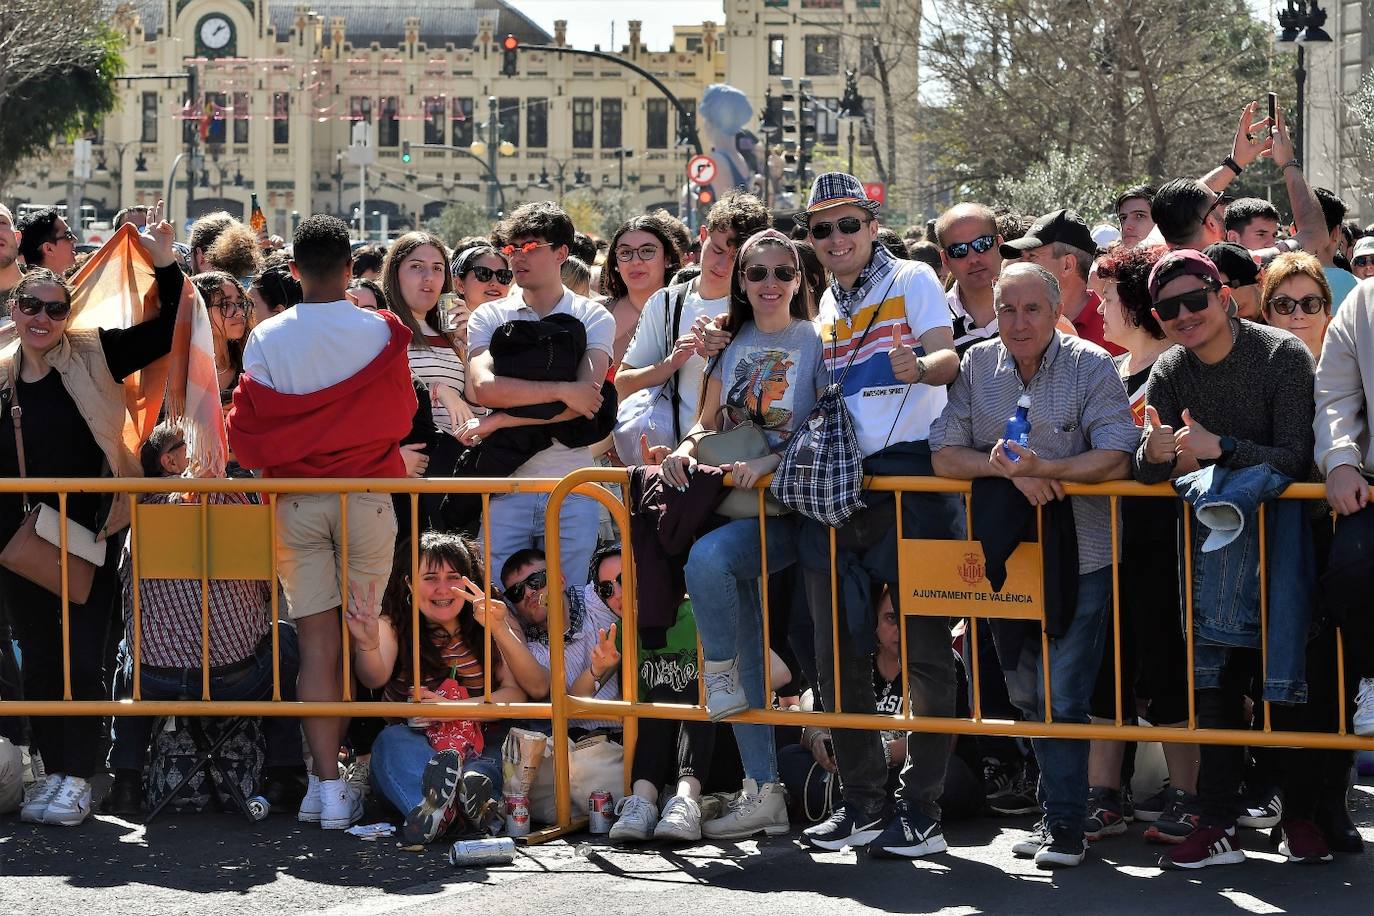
{"type": "Point", "coordinates": [953, 581]}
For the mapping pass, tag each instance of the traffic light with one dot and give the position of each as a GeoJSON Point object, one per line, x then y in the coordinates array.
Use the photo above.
{"type": "Point", "coordinates": [705, 198]}
{"type": "Point", "coordinates": [789, 121]}
{"type": "Point", "coordinates": [806, 134]}
{"type": "Point", "coordinates": [510, 46]}
{"type": "Point", "coordinates": [405, 150]}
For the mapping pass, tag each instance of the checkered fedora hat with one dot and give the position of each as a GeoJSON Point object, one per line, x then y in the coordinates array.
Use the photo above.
{"type": "Point", "coordinates": [835, 189]}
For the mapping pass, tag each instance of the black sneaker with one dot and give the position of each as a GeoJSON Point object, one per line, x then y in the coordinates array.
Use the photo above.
{"type": "Point", "coordinates": [998, 777]}
{"type": "Point", "coordinates": [1261, 810]}
{"type": "Point", "coordinates": [125, 798]}
{"type": "Point", "coordinates": [477, 799]}
{"type": "Point", "coordinates": [1020, 798]}
{"type": "Point", "coordinates": [909, 835]}
{"type": "Point", "coordinates": [435, 812]}
{"type": "Point", "coordinates": [845, 830]}
{"type": "Point", "coordinates": [1149, 810]}
{"type": "Point", "coordinates": [1065, 849]}
{"type": "Point", "coordinates": [1105, 816]}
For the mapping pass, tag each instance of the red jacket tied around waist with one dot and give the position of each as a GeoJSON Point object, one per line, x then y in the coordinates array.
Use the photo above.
{"type": "Point", "coordinates": [352, 429]}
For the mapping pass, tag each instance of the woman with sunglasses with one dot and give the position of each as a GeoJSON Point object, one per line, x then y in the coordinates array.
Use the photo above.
{"type": "Point", "coordinates": [1296, 298]}
{"type": "Point", "coordinates": [768, 375]}
{"type": "Point", "coordinates": [229, 309]}
{"type": "Point", "coordinates": [69, 384]}
{"type": "Point", "coordinates": [480, 274]}
{"type": "Point", "coordinates": [641, 261]}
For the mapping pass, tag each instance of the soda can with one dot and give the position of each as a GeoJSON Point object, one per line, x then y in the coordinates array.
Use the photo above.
{"type": "Point", "coordinates": [498, 850]}
{"type": "Point", "coordinates": [258, 808]}
{"type": "Point", "coordinates": [599, 812]}
{"type": "Point", "coordinates": [517, 815]}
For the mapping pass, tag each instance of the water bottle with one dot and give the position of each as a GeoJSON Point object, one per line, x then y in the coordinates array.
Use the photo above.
{"type": "Point", "coordinates": [1018, 427]}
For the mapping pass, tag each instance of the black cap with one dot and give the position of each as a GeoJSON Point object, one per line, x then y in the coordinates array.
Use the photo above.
{"type": "Point", "coordinates": [1235, 262]}
{"type": "Point", "coordinates": [1060, 226]}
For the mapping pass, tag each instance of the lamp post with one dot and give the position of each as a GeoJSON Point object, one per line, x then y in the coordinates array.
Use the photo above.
{"type": "Point", "coordinates": [579, 177]}
{"type": "Point", "coordinates": [1301, 24]}
{"type": "Point", "coordinates": [489, 150]}
{"type": "Point", "coordinates": [117, 173]}
{"type": "Point", "coordinates": [851, 109]}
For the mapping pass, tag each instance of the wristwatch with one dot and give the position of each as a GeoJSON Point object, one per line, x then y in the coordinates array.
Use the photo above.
{"type": "Point", "coordinates": [1228, 448]}
{"type": "Point", "coordinates": [1233, 165]}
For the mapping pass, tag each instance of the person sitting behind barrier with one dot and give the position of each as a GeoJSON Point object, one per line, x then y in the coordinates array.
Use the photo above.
{"type": "Point", "coordinates": [450, 788]}
{"type": "Point", "coordinates": [11, 776]}
{"type": "Point", "coordinates": [170, 646]}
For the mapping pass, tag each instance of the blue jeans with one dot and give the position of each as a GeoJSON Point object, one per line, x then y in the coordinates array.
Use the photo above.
{"type": "Point", "coordinates": [130, 735]}
{"type": "Point", "coordinates": [398, 763]}
{"type": "Point", "coordinates": [722, 574]}
{"type": "Point", "coordinates": [1074, 661]}
{"type": "Point", "coordinates": [517, 522]}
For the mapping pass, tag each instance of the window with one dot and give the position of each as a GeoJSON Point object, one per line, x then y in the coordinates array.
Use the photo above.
{"type": "Point", "coordinates": [149, 133]}
{"type": "Point", "coordinates": [435, 109]}
{"type": "Point", "coordinates": [389, 124]}
{"type": "Point", "coordinates": [827, 124]}
{"type": "Point", "coordinates": [777, 55]}
{"type": "Point", "coordinates": [610, 124]}
{"type": "Point", "coordinates": [536, 123]}
{"type": "Point", "coordinates": [583, 123]}
{"type": "Point", "coordinates": [508, 116]}
{"type": "Point", "coordinates": [214, 110]}
{"type": "Point", "coordinates": [822, 55]}
{"type": "Point", "coordinates": [691, 107]}
{"type": "Point", "coordinates": [240, 117]}
{"type": "Point", "coordinates": [656, 111]}
{"type": "Point", "coordinates": [462, 122]}
{"type": "Point", "coordinates": [281, 117]}
{"type": "Point", "coordinates": [360, 108]}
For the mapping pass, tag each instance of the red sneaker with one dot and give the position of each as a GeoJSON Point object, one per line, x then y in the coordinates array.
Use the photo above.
{"type": "Point", "coordinates": [1303, 843]}
{"type": "Point", "coordinates": [1205, 846]}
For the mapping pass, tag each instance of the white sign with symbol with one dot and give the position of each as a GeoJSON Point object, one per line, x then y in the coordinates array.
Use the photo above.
{"type": "Point", "coordinates": [701, 169]}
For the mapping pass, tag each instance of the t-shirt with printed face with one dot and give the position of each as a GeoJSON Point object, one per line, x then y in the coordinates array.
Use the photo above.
{"type": "Point", "coordinates": [770, 378]}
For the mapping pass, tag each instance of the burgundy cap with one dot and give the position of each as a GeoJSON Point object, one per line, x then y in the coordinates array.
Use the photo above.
{"type": "Point", "coordinates": [1179, 263]}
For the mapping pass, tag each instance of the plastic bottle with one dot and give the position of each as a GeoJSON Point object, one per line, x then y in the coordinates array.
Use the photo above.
{"type": "Point", "coordinates": [1018, 427]}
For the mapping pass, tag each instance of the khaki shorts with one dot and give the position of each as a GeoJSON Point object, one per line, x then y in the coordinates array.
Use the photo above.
{"type": "Point", "coordinates": [310, 547]}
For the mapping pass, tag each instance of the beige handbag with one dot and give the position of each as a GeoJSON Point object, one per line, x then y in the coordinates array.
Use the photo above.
{"type": "Point", "coordinates": [742, 443]}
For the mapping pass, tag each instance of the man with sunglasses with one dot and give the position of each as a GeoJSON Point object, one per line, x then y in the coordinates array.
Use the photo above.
{"type": "Point", "coordinates": [1361, 259]}
{"type": "Point", "coordinates": [1236, 394]}
{"type": "Point", "coordinates": [536, 238]}
{"type": "Point", "coordinates": [46, 241]}
{"type": "Point", "coordinates": [9, 254]}
{"type": "Point", "coordinates": [969, 249]}
{"type": "Point", "coordinates": [885, 330]}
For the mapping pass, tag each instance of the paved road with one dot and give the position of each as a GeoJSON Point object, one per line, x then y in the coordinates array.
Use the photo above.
{"type": "Point", "coordinates": [214, 864]}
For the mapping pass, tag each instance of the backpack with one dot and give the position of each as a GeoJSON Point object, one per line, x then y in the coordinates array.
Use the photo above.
{"type": "Point", "coordinates": [175, 753]}
{"type": "Point", "coordinates": [653, 412]}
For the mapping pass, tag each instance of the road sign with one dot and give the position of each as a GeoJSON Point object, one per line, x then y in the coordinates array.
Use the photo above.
{"type": "Point", "coordinates": [701, 169]}
{"type": "Point", "coordinates": [876, 191]}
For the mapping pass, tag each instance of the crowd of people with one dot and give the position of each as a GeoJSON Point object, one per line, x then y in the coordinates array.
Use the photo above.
{"type": "Point", "coordinates": [1198, 339]}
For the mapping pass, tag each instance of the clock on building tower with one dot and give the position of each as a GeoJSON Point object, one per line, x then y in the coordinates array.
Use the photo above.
{"type": "Point", "coordinates": [215, 36]}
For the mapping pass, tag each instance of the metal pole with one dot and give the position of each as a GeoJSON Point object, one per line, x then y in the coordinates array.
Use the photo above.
{"type": "Point", "coordinates": [362, 202]}
{"type": "Point", "coordinates": [1301, 75]}
{"type": "Point", "coordinates": [192, 87]}
{"type": "Point", "coordinates": [851, 146]}
{"type": "Point", "coordinates": [492, 154]}
{"type": "Point", "coordinates": [171, 184]}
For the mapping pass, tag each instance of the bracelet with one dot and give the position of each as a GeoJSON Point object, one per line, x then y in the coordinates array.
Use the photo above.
{"type": "Point", "coordinates": [1290, 163]}
{"type": "Point", "coordinates": [920, 370]}
{"type": "Point", "coordinates": [367, 648]}
{"type": "Point", "coordinates": [1233, 165]}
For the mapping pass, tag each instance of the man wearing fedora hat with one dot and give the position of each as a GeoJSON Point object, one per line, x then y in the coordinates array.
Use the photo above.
{"type": "Point", "coordinates": [885, 331]}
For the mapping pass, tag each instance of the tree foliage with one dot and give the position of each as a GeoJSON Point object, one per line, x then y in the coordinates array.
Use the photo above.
{"type": "Point", "coordinates": [600, 213]}
{"type": "Point", "coordinates": [59, 61]}
{"type": "Point", "coordinates": [459, 220]}
{"type": "Point", "coordinates": [1123, 90]}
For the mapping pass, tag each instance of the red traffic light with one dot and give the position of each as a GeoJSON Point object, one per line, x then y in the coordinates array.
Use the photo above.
{"type": "Point", "coordinates": [703, 196]}
{"type": "Point", "coordinates": [510, 43]}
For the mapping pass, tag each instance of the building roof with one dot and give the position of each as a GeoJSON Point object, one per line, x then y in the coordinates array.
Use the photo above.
{"type": "Point", "coordinates": [441, 21]}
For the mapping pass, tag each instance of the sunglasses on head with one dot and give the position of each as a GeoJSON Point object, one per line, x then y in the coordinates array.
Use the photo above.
{"type": "Point", "coordinates": [526, 248]}
{"type": "Point", "coordinates": [979, 245]}
{"type": "Point", "coordinates": [533, 582]}
{"type": "Point", "coordinates": [846, 224]}
{"type": "Point", "coordinates": [31, 305]}
{"type": "Point", "coordinates": [1194, 300]}
{"type": "Point", "coordinates": [484, 274]}
{"type": "Point", "coordinates": [757, 273]}
{"type": "Point", "coordinates": [1286, 305]}
{"type": "Point", "coordinates": [606, 588]}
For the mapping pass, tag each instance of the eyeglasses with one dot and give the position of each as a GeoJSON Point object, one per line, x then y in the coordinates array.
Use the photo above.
{"type": "Point", "coordinates": [605, 588]}
{"type": "Point", "coordinates": [1221, 201]}
{"type": "Point", "coordinates": [57, 310]}
{"type": "Point", "coordinates": [231, 307]}
{"type": "Point", "coordinates": [1286, 305]}
{"type": "Point", "coordinates": [757, 273]}
{"type": "Point", "coordinates": [526, 248]}
{"type": "Point", "coordinates": [534, 582]}
{"type": "Point", "coordinates": [846, 224]}
{"type": "Point", "coordinates": [625, 254]}
{"type": "Point", "coordinates": [1195, 300]}
{"type": "Point", "coordinates": [68, 236]}
{"type": "Point", "coordinates": [960, 250]}
{"type": "Point", "coordinates": [1364, 260]}
{"type": "Point", "coordinates": [503, 275]}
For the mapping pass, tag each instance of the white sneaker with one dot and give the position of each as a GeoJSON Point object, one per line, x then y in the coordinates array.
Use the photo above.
{"type": "Point", "coordinates": [310, 805]}
{"type": "Point", "coordinates": [1364, 708]}
{"type": "Point", "coordinates": [341, 806]}
{"type": "Point", "coordinates": [724, 697]}
{"type": "Point", "coordinates": [1029, 845]}
{"type": "Point", "coordinates": [636, 819]}
{"type": "Point", "coordinates": [681, 820]}
{"type": "Point", "coordinates": [72, 803]}
{"type": "Point", "coordinates": [757, 809]}
{"type": "Point", "coordinates": [38, 797]}
{"type": "Point", "coordinates": [33, 765]}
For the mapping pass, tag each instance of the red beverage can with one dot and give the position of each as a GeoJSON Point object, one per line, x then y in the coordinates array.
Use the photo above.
{"type": "Point", "coordinates": [517, 815]}
{"type": "Point", "coordinates": [599, 812]}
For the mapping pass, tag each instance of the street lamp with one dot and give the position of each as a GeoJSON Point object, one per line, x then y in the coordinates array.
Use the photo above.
{"type": "Point", "coordinates": [489, 149]}
{"type": "Point", "coordinates": [1301, 24]}
{"type": "Point", "coordinates": [851, 109]}
{"type": "Point", "coordinates": [579, 176]}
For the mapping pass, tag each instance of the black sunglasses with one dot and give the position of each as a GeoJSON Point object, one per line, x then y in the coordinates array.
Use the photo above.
{"type": "Point", "coordinates": [68, 236]}
{"type": "Point", "coordinates": [606, 588]}
{"type": "Point", "coordinates": [1196, 300]}
{"type": "Point", "coordinates": [1364, 260]}
{"type": "Point", "coordinates": [503, 275]}
{"type": "Point", "coordinates": [1286, 305]}
{"type": "Point", "coordinates": [757, 273]}
{"type": "Point", "coordinates": [57, 310]}
{"type": "Point", "coordinates": [961, 249]}
{"type": "Point", "coordinates": [534, 582]}
{"type": "Point", "coordinates": [846, 224]}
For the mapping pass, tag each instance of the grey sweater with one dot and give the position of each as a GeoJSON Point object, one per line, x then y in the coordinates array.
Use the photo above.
{"type": "Point", "coordinates": [1260, 395]}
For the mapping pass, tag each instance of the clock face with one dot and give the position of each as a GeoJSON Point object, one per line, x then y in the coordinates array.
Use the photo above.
{"type": "Point", "coordinates": [216, 32]}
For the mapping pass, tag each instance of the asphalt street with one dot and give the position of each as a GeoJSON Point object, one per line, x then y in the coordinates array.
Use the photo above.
{"type": "Point", "coordinates": [216, 864]}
